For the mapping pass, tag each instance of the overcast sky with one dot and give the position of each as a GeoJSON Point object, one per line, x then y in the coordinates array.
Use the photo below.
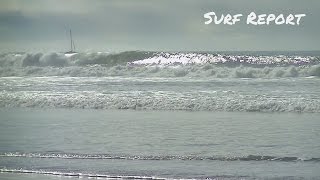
{"type": "Point", "coordinates": [170, 25]}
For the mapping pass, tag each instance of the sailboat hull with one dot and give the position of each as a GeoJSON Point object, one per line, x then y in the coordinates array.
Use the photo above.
{"type": "Point", "coordinates": [70, 53]}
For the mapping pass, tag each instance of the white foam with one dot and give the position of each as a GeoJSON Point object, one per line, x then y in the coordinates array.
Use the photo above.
{"type": "Point", "coordinates": [165, 100]}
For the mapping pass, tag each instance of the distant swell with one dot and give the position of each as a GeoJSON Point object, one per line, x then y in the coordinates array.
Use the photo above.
{"type": "Point", "coordinates": [158, 157]}
{"type": "Point", "coordinates": [158, 64]}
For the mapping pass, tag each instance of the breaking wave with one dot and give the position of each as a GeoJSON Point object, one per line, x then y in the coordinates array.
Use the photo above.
{"type": "Point", "coordinates": [159, 157]}
{"type": "Point", "coordinates": [158, 64]}
{"type": "Point", "coordinates": [215, 101]}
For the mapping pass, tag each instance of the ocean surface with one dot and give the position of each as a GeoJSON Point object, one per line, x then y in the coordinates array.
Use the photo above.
{"type": "Point", "coordinates": [160, 115]}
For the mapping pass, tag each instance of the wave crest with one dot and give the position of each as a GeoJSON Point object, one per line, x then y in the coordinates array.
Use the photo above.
{"type": "Point", "coordinates": [203, 71]}
{"type": "Point", "coordinates": [158, 64]}
{"type": "Point", "coordinates": [215, 101]}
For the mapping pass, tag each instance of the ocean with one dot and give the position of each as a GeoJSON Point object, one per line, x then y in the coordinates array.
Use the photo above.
{"type": "Point", "coordinates": [160, 115]}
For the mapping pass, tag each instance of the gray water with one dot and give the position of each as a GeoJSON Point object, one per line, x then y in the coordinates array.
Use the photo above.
{"type": "Point", "coordinates": [123, 127]}
{"type": "Point", "coordinates": [163, 144]}
{"type": "Point", "coordinates": [299, 94]}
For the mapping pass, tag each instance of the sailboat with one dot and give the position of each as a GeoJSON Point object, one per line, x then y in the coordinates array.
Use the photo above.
{"type": "Point", "coordinates": [72, 47]}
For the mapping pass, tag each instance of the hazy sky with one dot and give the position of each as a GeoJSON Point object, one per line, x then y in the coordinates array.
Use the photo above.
{"type": "Point", "coordinates": [172, 25]}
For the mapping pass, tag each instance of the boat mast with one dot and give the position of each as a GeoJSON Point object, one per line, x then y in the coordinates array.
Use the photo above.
{"type": "Point", "coordinates": [71, 41]}
{"type": "Point", "coordinates": [74, 47]}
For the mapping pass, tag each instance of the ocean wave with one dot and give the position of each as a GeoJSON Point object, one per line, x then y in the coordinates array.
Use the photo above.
{"type": "Point", "coordinates": [81, 175]}
{"type": "Point", "coordinates": [159, 157]}
{"type": "Point", "coordinates": [198, 71]}
{"type": "Point", "coordinates": [196, 101]}
{"type": "Point", "coordinates": [158, 64]}
{"type": "Point", "coordinates": [79, 59]}
{"type": "Point", "coordinates": [78, 175]}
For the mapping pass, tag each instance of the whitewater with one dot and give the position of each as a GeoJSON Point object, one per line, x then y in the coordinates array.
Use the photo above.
{"type": "Point", "coordinates": [158, 64]}
{"type": "Point", "coordinates": [161, 81]}
{"type": "Point", "coordinates": [160, 115]}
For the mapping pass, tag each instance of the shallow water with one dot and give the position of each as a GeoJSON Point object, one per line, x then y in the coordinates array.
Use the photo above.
{"type": "Point", "coordinates": [166, 144]}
